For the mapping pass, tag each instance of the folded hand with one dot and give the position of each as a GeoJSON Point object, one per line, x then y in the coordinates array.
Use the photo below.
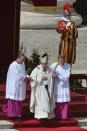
{"type": "Point", "coordinates": [44, 78]}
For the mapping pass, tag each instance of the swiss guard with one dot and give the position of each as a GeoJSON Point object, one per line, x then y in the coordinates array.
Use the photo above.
{"type": "Point", "coordinates": [68, 35]}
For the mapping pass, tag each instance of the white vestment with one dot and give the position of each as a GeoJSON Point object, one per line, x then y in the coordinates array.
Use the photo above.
{"type": "Point", "coordinates": [41, 102]}
{"type": "Point", "coordinates": [61, 82]}
{"type": "Point", "coordinates": [15, 84]}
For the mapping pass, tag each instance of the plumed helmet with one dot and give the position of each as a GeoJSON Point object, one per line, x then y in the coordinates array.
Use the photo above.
{"type": "Point", "coordinates": [67, 6]}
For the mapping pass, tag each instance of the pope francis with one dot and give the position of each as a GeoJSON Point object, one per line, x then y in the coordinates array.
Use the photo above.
{"type": "Point", "coordinates": [42, 102]}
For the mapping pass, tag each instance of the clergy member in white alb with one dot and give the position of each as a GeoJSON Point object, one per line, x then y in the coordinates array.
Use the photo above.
{"type": "Point", "coordinates": [41, 102]}
{"type": "Point", "coordinates": [61, 74]}
{"type": "Point", "coordinates": [15, 88]}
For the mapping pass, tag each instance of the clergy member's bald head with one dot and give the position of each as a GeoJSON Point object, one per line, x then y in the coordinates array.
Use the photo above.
{"type": "Point", "coordinates": [61, 59]}
{"type": "Point", "coordinates": [21, 58]}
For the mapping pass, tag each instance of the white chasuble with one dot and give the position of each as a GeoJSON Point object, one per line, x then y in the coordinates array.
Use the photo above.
{"type": "Point", "coordinates": [41, 102]}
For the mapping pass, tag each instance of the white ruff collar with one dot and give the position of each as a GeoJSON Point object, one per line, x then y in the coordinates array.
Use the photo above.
{"type": "Point", "coordinates": [65, 19]}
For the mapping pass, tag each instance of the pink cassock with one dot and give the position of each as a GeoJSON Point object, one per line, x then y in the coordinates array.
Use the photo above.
{"type": "Point", "coordinates": [62, 110]}
{"type": "Point", "coordinates": [13, 108]}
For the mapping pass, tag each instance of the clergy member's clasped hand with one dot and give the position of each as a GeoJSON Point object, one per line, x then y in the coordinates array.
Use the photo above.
{"type": "Point", "coordinates": [44, 78]}
{"type": "Point", "coordinates": [28, 77]}
{"type": "Point", "coordinates": [53, 75]}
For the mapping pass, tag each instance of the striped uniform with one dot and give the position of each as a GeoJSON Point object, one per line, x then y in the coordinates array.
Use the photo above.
{"type": "Point", "coordinates": [67, 46]}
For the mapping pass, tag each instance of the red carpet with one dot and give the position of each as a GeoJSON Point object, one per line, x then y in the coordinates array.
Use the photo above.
{"type": "Point", "coordinates": [78, 100]}
{"type": "Point", "coordinates": [49, 123]}
{"type": "Point", "coordinates": [72, 128]}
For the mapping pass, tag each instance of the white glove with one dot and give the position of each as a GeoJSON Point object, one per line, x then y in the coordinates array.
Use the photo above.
{"type": "Point", "coordinates": [68, 25]}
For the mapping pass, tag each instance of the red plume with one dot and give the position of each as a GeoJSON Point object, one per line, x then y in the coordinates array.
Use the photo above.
{"type": "Point", "coordinates": [67, 6]}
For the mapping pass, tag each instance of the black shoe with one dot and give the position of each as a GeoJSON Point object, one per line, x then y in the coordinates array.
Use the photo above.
{"type": "Point", "coordinates": [43, 119]}
{"type": "Point", "coordinates": [18, 119]}
{"type": "Point", "coordinates": [11, 118]}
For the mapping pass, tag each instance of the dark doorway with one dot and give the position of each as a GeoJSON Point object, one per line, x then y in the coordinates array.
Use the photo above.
{"type": "Point", "coordinates": [81, 7]}
{"type": "Point", "coordinates": [9, 33]}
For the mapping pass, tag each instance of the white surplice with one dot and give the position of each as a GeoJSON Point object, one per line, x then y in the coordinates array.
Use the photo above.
{"type": "Point", "coordinates": [41, 102]}
{"type": "Point", "coordinates": [61, 83]}
{"type": "Point", "coordinates": [15, 84]}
